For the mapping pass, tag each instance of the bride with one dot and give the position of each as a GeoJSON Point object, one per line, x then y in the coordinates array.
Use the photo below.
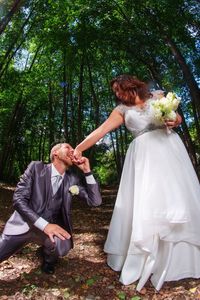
{"type": "Point", "coordinates": [155, 228]}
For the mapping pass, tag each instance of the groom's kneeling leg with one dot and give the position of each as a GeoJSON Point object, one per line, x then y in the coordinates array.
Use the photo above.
{"type": "Point", "coordinates": [52, 251]}
{"type": "Point", "coordinates": [62, 247]}
{"type": "Point", "coordinates": [9, 244]}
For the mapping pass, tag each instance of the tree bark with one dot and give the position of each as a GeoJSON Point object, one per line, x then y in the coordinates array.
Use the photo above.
{"type": "Point", "coordinates": [189, 78]}
{"type": "Point", "coordinates": [118, 156]}
{"type": "Point", "coordinates": [65, 104]}
{"type": "Point", "coordinates": [51, 116]}
{"type": "Point", "coordinates": [15, 40]}
{"type": "Point", "coordinates": [4, 68]}
{"type": "Point", "coordinates": [11, 133]}
{"type": "Point", "coordinates": [94, 96]}
{"type": "Point", "coordinates": [188, 141]}
{"type": "Point", "coordinates": [122, 153]}
{"type": "Point", "coordinates": [80, 101]}
{"type": "Point", "coordinates": [73, 127]}
{"type": "Point", "coordinates": [9, 15]}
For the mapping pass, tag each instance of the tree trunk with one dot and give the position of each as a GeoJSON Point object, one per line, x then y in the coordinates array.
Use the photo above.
{"type": "Point", "coordinates": [4, 67]}
{"type": "Point", "coordinates": [51, 116]}
{"type": "Point", "coordinates": [19, 33]}
{"type": "Point", "coordinates": [118, 156]}
{"type": "Point", "coordinates": [34, 58]}
{"type": "Point", "coordinates": [10, 138]}
{"type": "Point", "coordinates": [65, 104]}
{"type": "Point", "coordinates": [4, 22]}
{"type": "Point", "coordinates": [43, 145]}
{"type": "Point", "coordinates": [73, 127]}
{"type": "Point", "coordinates": [94, 97]}
{"type": "Point", "coordinates": [188, 141]}
{"type": "Point", "coordinates": [122, 153]}
{"type": "Point", "coordinates": [189, 78]}
{"type": "Point", "coordinates": [80, 101]}
{"type": "Point", "coordinates": [114, 150]}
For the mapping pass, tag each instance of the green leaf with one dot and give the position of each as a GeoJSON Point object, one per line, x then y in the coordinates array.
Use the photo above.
{"type": "Point", "coordinates": [29, 288]}
{"type": "Point", "coordinates": [121, 295]}
{"type": "Point", "coordinates": [90, 281]}
{"type": "Point", "coordinates": [66, 295]}
{"type": "Point", "coordinates": [135, 298]}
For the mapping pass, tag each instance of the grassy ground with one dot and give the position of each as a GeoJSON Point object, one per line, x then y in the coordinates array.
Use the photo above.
{"type": "Point", "coordinates": [83, 274]}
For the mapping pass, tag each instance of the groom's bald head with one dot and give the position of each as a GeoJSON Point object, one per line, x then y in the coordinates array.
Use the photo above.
{"type": "Point", "coordinates": [56, 147]}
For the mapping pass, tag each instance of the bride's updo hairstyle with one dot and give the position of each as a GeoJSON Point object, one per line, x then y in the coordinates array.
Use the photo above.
{"type": "Point", "coordinates": [126, 88]}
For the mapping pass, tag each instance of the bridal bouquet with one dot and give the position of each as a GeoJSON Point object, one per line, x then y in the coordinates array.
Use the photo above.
{"type": "Point", "coordinates": [164, 108]}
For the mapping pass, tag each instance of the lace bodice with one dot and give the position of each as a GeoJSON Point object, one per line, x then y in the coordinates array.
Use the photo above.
{"type": "Point", "coordinates": [138, 120]}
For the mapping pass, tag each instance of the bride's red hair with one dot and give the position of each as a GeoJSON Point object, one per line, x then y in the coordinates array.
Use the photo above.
{"type": "Point", "coordinates": [128, 87]}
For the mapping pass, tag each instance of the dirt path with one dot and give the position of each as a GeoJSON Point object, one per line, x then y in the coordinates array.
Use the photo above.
{"type": "Point", "coordinates": [83, 274]}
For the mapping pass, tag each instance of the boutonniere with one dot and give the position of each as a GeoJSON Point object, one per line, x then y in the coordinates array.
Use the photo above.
{"type": "Point", "coordinates": [74, 190]}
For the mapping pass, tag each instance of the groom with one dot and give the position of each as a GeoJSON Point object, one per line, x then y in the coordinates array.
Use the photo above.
{"type": "Point", "coordinates": [42, 202]}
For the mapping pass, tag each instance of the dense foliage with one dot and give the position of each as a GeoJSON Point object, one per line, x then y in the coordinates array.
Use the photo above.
{"type": "Point", "coordinates": [56, 61]}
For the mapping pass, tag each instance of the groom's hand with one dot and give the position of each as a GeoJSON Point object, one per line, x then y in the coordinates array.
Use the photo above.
{"type": "Point", "coordinates": [55, 230]}
{"type": "Point", "coordinates": [83, 164]}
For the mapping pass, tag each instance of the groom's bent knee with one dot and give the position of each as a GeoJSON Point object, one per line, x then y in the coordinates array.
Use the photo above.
{"type": "Point", "coordinates": [63, 247]}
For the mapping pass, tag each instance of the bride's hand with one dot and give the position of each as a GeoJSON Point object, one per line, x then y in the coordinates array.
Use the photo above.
{"type": "Point", "coordinates": [174, 123]}
{"type": "Point", "coordinates": [77, 155]}
{"type": "Point", "coordinates": [170, 124]}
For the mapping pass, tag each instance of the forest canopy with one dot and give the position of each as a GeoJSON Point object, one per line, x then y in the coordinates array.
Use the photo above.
{"type": "Point", "coordinates": [58, 57]}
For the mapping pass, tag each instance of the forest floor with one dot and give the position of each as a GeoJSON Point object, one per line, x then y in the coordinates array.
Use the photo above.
{"type": "Point", "coordinates": [83, 274]}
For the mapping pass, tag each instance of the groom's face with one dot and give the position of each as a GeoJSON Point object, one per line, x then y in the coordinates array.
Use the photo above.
{"type": "Point", "coordinates": [65, 154]}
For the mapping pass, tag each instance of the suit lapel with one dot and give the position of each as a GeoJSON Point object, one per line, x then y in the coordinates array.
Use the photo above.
{"type": "Point", "coordinates": [48, 185]}
{"type": "Point", "coordinates": [66, 198]}
{"type": "Point", "coordinates": [65, 186]}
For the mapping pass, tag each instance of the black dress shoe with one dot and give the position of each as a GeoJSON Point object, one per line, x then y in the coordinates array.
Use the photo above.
{"type": "Point", "coordinates": [48, 268]}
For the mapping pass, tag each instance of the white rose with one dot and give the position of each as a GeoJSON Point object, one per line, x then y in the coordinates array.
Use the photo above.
{"type": "Point", "coordinates": [74, 189]}
{"type": "Point", "coordinates": [175, 103]}
{"type": "Point", "coordinates": [170, 96]}
{"type": "Point", "coordinates": [163, 101]}
{"type": "Point", "coordinates": [166, 104]}
{"type": "Point", "coordinates": [157, 114]}
{"type": "Point", "coordinates": [171, 116]}
{"type": "Point", "coordinates": [174, 99]}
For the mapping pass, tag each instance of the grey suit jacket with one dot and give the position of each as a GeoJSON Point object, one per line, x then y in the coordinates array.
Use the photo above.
{"type": "Point", "coordinates": [34, 191]}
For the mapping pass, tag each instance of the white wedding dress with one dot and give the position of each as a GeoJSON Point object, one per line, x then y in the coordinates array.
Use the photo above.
{"type": "Point", "coordinates": [155, 227]}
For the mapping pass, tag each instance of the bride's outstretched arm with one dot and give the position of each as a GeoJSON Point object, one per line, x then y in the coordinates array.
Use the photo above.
{"type": "Point", "coordinates": [114, 121]}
